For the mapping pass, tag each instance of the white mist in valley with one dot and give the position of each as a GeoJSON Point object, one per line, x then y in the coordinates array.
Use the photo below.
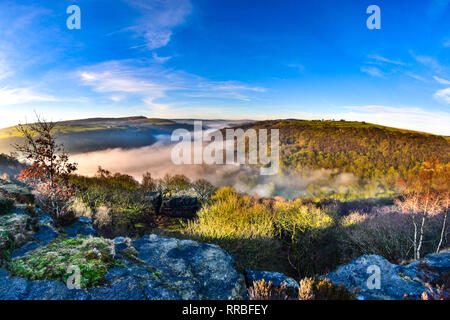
{"type": "Point", "coordinates": [156, 159]}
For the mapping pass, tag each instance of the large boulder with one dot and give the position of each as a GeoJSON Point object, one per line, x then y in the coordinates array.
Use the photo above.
{"type": "Point", "coordinates": [395, 282]}
{"type": "Point", "coordinates": [428, 269]}
{"type": "Point", "coordinates": [22, 251]}
{"type": "Point", "coordinates": [177, 205]}
{"type": "Point", "coordinates": [182, 206]}
{"type": "Point", "coordinates": [155, 198]}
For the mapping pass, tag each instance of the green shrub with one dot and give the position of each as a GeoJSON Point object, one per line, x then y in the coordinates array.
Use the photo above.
{"type": "Point", "coordinates": [93, 256]}
{"type": "Point", "coordinates": [309, 234]}
{"type": "Point", "coordinates": [6, 204]}
{"type": "Point", "coordinates": [240, 225]}
{"type": "Point", "coordinates": [256, 231]}
{"type": "Point", "coordinates": [115, 202]}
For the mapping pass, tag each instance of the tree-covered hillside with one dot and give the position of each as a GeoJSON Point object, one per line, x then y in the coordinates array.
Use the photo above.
{"type": "Point", "coordinates": [369, 151]}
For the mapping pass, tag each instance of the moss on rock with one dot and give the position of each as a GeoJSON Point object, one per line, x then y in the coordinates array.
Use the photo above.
{"type": "Point", "coordinates": [93, 256]}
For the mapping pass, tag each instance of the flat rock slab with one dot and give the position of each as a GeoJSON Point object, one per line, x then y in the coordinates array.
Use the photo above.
{"type": "Point", "coordinates": [191, 269]}
{"type": "Point", "coordinates": [169, 269]}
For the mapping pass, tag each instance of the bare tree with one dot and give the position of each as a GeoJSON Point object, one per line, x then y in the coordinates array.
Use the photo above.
{"type": "Point", "coordinates": [445, 205]}
{"type": "Point", "coordinates": [148, 183]}
{"type": "Point", "coordinates": [423, 196]}
{"type": "Point", "coordinates": [204, 189]}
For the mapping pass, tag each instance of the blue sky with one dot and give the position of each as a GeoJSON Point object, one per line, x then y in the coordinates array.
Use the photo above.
{"type": "Point", "coordinates": [228, 59]}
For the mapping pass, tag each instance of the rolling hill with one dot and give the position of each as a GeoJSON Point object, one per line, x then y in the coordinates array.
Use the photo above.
{"type": "Point", "coordinates": [367, 150]}
{"type": "Point", "coordinates": [96, 134]}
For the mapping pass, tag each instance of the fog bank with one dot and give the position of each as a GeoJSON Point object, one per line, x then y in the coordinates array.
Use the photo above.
{"type": "Point", "coordinates": [156, 159]}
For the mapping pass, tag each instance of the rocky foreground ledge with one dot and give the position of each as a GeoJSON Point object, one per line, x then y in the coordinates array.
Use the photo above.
{"type": "Point", "coordinates": [160, 268]}
{"type": "Point", "coordinates": [172, 269]}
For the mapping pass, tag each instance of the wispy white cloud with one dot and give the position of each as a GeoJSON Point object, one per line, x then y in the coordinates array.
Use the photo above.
{"type": "Point", "coordinates": [441, 80]}
{"type": "Point", "coordinates": [12, 96]}
{"type": "Point", "coordinates": [297, 66]}
{"type": "Point", "coordinates": [116, 98]}
{"type": "Point", "coordinates": [416, 76]}
{"type": "Point", "coordinates": [373, 71]}
{"type": "Point", "coordinates": [428, 61]}
{"type": "Point", "coordinates": [431, 63]}
{"type": "Point", "coordinates": [114, 77]}
{"type": "Point", "coordinates": [443, 95]}
{"type": "Point", "coordinates": [114, 82]}
{"type": "Point", "coordinates": [152, 82]}
{"type": "Point", "coordinates": [380, 66]}
{"type": "Point", "coordinates": [386, 60]}
{"type": "Point", "coordinates": [5, 69]}
{"type": "Point", "coordinates": [160, 59]}
{"type": "Point", "coordinates": [158, 19]}
{"type": "Point", "coordinates": [224, 89]}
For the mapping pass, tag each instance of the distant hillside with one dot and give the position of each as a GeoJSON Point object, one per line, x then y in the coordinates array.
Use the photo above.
{"type": "Point", "coordinates": [95, 134]}
{"type": "Point", "coordinates": [364, 149]}
{"type": "Point", "coordinates": [100, 133]}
